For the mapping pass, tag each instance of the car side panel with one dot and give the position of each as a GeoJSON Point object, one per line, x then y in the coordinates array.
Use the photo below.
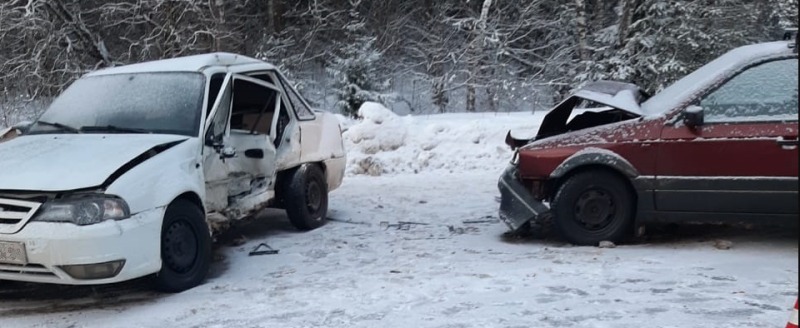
{"type": "Point", "coordinates": [631, 140]}
{"type": "Point", "coordinates": [322, 143]}
{"type": "Point", "coordinates": [159, 180]}
{"type": "Point", "coordinates": [728, 168]}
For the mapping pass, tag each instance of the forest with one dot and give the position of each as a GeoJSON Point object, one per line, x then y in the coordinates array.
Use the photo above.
{"type": "Point", "coordinates": [416, 56]}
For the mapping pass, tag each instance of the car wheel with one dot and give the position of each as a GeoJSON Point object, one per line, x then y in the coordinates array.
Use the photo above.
{"type": "Point", "coordinates": [185, 248]}
{"type": "Point", "coordinates": [306, 197]}
{"type": "Point", "coordinates": [593, 206]}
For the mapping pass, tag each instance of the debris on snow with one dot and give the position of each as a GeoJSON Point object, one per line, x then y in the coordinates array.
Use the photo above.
{"type": "Point", "coordinates": [607, 244]}
{"type": "Point", "coordinates": [723, 244]}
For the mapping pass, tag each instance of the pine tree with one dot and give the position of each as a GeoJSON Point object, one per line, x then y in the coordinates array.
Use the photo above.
{"type": "Point", "coordinates": [355, 69]}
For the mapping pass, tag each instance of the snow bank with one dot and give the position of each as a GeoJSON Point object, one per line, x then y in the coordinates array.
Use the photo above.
{"type": "Point", "coordinates": [381, 142]}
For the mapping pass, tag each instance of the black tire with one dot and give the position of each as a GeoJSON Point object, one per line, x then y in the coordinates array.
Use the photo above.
{"type": "Point", "coordinates": [593, 206]}
{"type": "Point", "coordinates": [185, 248]}
{"type": "Point", "coordinates": [305, 196]}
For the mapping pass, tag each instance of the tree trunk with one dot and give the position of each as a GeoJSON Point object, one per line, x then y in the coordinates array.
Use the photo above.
{"type": "Point", "coordinates": [625, 21]}
{"type": "Point", "coordinates": [470, 98]}
{"type": "Point", "coordinates": [582, 29]}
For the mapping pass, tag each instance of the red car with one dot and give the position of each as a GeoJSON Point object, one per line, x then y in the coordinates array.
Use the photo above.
{"type": "Point", "coordinates": [718, 145]}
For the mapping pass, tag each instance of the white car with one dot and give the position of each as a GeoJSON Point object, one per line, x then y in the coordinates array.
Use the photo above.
{"type": "Point", "coordinates": [130, 170]}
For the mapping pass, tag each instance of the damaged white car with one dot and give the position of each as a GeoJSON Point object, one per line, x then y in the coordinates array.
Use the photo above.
{"type": "Point", "coordinates": [130, 168]}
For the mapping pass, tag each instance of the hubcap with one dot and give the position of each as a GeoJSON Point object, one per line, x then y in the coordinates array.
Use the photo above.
{"type": "Point", "coordinates": [313, 197]}
{"type": "Point", "coordinates": [180, 246]}
{"type": "Point", "coordinates": [595, 209]}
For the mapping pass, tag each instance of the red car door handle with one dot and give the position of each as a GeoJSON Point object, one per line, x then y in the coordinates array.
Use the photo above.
{"type": "Point", "coordinates": [782, 141]}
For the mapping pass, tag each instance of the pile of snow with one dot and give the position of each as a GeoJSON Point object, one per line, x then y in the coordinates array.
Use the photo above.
{"type": "Point", "coordinates": [381, 142]}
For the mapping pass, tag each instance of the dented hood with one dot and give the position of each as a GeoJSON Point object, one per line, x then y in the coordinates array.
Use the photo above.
{"type": "Point", "coordinates": [621, 95]}
{"type": "Point", "coordinates": [62, 162]}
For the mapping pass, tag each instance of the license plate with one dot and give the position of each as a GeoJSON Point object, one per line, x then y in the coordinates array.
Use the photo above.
{"type": "Point", "coordinates": [13, 253]}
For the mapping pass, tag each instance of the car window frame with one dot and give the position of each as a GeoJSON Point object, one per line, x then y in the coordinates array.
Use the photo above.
{"type": "Point", "coordinates": [674, 117]}
{"type": "Point", "coordinates": [226, 84]}
{"type": "Point", "coordinates": [244, 77]}
{"type": "Point", "coordinates": [698, 99]}
{"type": "Point", "coordinates": [303, 102]}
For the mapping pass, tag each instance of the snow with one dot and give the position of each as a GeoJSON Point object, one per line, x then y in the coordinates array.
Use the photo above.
{"type": "Point", "coordinates": [185, 64]}
{"type": "Point", "coordinates": [384, 143]}
{"type": "Point", "coordinates": [451, 266]}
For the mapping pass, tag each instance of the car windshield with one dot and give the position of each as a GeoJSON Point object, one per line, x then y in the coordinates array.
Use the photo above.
{"type": "Point", "coordinates": [168, 103]}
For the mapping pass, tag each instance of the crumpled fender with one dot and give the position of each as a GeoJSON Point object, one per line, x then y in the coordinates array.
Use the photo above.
{"type": "Point", "coordinates": [595, 156]}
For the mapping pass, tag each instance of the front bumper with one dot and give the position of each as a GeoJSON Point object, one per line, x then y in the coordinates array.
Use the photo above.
{"type": "Point", "coordinates": [49, 246]}
{"type": "Point", "coordinates": [517, 206]}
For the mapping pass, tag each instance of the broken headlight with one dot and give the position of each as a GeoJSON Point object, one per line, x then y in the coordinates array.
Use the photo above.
{"type": "Point", "coordinates": [83, 210]}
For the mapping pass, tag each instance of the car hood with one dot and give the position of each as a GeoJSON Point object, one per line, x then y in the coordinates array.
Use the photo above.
{"type": "Point", "coordinates": [64, 162]}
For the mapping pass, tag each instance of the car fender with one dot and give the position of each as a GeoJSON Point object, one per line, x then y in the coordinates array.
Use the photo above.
{"type": "Point", "coordinates": [322, 143]}
{"type": "Point", "coordinates": [595, 156]}
{"type": "Point", "coordinates": [157, 181]}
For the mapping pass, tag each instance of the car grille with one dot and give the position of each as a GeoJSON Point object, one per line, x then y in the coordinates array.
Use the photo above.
{"type": "Point", "coordinates": [28, 270]}
{"type": "Point", "coordinates": [14, 214]}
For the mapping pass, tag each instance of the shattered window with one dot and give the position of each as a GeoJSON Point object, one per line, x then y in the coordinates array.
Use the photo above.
{"type": "Point", "coordinates": [767, 92]}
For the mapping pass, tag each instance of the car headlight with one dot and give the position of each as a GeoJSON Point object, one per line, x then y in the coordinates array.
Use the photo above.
{"type": "Point", "coordinates": [84, 210]}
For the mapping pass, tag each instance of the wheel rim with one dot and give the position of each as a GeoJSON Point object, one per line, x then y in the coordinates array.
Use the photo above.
{"type": "Point", "coordinates": [180, 246]}
{"type": "Point", "coordinates": [313, 197]}
{"type": "Point", "coordinates": [595, 209]}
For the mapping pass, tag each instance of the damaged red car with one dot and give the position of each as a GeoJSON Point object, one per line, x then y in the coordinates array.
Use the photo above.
{"type": "Point", "coordinates": [718, 145]}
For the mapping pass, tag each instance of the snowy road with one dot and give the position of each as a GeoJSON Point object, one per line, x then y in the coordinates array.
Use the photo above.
{"type": "Point", "coordinates": [363, 274]}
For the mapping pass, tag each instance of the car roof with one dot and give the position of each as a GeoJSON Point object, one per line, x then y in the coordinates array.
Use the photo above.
{"type": "Point", "coordinates": [720, 68]}
{"type": "Point", "coordinates": [194, 63]}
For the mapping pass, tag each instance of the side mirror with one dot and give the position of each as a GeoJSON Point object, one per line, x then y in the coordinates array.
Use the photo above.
{"type": "Point", "coordinates": [693, 116]}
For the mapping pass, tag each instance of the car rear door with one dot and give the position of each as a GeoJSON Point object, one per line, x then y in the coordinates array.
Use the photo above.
{"type": "Point", "coordinates": [743, 159]}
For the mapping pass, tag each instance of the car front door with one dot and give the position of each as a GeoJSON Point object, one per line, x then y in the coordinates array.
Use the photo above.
{"type": "Point", "coordinates": [239, 156]}
{"type": "Point", "coordinates": [743, 157]}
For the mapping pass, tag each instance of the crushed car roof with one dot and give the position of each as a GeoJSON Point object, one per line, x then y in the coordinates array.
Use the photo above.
{"type": "Point", "coordinates": [194, 63]}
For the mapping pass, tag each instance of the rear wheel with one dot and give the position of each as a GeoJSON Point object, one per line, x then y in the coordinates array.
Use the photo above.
{"type": "Point", "coordinates": [305, 197]}
{"type": "Point", "coordinates": [593, 206]}
{"type": "Point", "coordinates": [185, 248]}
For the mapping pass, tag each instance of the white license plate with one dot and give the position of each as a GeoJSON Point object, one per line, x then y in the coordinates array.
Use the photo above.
{"type": "Point", "coordinates": [13, 253]}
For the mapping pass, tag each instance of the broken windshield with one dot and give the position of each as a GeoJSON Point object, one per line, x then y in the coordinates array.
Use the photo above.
{"type": "Point", "coordinates": [166, 103]}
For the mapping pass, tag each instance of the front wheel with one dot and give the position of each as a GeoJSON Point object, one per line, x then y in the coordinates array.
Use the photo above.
{"type": "Point", "coordinates": [306, 197]}
{"type": "Point", "coordinates": [593, 206]}
{"type": "Point", "coordinates": [185, 248]}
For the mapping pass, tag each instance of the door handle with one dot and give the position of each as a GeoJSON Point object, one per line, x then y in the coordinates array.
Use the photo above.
{"type": "Point", "coordinates": [254, 153]}
{"type": "Point", "coordinates": [787, 143]}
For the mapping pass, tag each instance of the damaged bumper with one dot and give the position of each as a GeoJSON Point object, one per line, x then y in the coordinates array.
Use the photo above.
{"type": "Point", "coordinates": [517, 206]}
{"type": "Point", "coordinates": [108, 252]}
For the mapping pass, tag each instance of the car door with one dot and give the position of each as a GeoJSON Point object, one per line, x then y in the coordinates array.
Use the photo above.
{"type": "Point", "coordinates": [286, 128]}
{"type": "Point", "coordinates": [743, 158]}
{"type": "Point", "coordinates": [239, 156]}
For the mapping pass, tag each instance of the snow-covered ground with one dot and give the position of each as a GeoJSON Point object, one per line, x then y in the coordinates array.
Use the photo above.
{"type": "Point", "coordinates": [451, 265]}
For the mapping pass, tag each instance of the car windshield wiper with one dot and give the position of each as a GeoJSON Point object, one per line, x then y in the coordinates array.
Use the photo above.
{"type": "Point", "coordinates": [60, 126]}
{"type": "Point", "coordinates": [112, 128]}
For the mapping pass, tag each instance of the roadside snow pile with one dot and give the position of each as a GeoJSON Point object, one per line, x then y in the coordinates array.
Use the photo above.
{"type": "Point", "coordinates": [382, 142]}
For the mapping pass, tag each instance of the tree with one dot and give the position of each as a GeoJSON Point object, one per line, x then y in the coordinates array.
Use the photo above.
{"type": "Point", "coordinates": [356, 79]}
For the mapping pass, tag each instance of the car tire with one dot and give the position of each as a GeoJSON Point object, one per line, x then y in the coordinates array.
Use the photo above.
{"type": "Point", "coordinates": [593, 206]}
{"type": "Point", "coordinates": [185, 248]}
{"type": "Point", "coordinates": [305, 197]}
